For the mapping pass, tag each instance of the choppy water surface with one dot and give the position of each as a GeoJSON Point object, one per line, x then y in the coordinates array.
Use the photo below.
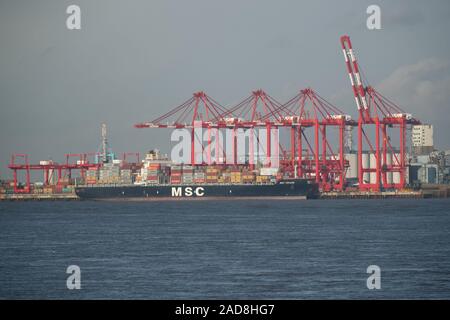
{"type": "Point", "coordinates": [226, 249]}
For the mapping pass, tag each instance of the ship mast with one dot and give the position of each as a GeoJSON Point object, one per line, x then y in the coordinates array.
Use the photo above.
{"type": "Point", "coordinates": [104, 144]}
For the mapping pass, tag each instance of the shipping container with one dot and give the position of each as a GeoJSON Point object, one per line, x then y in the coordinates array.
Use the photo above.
{"type": "Point", "coordinates": [199, 174]}
{"type": "Point", "coordinates": [268, 171]}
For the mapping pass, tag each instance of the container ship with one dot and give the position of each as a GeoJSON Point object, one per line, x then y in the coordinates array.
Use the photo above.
{"type": "Point", "coordinates": [160, 179]}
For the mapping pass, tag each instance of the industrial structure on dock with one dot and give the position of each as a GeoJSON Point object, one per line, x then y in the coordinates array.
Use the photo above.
{"type": "Point", "coordinates": [312, 151]}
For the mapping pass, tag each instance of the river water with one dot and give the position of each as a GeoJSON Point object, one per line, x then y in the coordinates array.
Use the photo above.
{"type": "Point", "coordinates": [313, 249]}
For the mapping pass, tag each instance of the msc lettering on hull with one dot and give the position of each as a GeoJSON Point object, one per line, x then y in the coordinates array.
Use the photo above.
{"type": "Point", "coordinates": [187, 191]}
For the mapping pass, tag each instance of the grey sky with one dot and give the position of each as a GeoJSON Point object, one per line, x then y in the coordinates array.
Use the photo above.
{"type": "Point", "coordinates": [135, 60]}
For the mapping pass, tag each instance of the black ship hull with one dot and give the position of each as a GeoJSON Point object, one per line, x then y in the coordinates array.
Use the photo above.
{"type": "Point", "coordinates": [288, 189]}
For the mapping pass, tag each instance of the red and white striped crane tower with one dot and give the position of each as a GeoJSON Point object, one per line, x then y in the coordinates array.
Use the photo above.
{"type": "Point", "coordinates": [375, 109]}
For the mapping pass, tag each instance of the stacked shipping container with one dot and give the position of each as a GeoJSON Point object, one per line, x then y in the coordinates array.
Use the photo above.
{"type": "Point", "coordinates": [236, 176]}
{"type": "Point", "coordinates": [199, 175]}
{"type": "Point", "coordinates": [109, 174]}
{"type": "Point", "coordinates": [91, 176]}
{"type": "Point", "coordinates": [188, 175]}
{"type": "Point", "coordinates": [212, 174]}
{"type": "Point", "coordinates": [175, 174]}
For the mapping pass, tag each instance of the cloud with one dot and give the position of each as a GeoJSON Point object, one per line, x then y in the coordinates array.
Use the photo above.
{"type": "Point", "coordinates": [423, 89]}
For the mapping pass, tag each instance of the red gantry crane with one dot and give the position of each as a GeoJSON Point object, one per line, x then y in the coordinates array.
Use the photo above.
{"type": "Point", "coordinates": [376, 110]}
{"type": "Point", "coordinates": [321, 161]}
{"type": "Point", "coordinates": [259, 110]}
{"type": "Point", "coordinates": [48, 168]}
{"type": "Point", "coordinates": [327, 164]}
{"type": "Point", "coordinates": [200, 111]}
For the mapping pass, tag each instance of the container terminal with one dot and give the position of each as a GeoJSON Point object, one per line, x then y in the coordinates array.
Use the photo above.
{"type": "Point", "coordinates": [317, 161]}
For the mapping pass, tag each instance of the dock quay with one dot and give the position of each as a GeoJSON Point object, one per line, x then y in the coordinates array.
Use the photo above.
{"type": "Point", "coordinates": [372, 195]}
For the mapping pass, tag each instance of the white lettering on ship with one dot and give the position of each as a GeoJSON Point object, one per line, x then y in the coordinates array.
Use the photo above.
{"type": "Point", "coordinates": [188, 192]}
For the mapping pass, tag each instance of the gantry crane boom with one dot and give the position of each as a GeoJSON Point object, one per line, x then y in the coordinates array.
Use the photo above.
{"type": "Point", "coordinates": [354, 74]}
